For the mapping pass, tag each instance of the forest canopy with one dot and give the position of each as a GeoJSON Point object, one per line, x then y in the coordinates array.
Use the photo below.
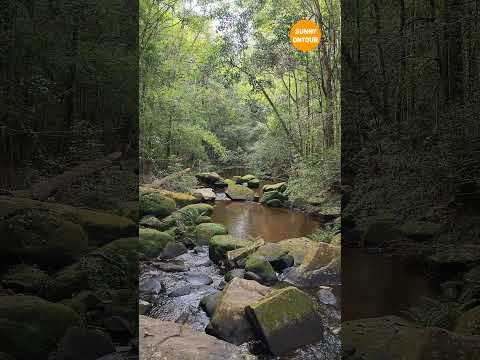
{"type": "Point", "coordinates": [220, 83]}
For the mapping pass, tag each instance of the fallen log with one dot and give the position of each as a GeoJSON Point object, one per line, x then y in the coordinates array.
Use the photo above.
{"type": "Point", "coordinates": [41, 191]}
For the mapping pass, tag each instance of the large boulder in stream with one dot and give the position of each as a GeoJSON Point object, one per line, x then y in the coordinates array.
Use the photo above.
{"type": "Point", "coordinates": [170, 341]}
{"type": "Point", "coordinates": [253, 184]}
{"type": "Point", "coordinates": [239, 192]}
{"type": "Point", "coordinates": [280, 187]}
{"type": "Point", "coordinates": [268, 197]}
{"type": "Point", "coordinates": [260, 266]}
{"type": "Point", "coordinates": [204, 232]}
{"type": "Point", "coordinates": [220, 245]}
{"type": "Point", "coordinates": [188, 216]}
{"type": "Point", "coordinates": [30, 326]}
{"type": "Point", "coordinates": [298, 247]}
{"type": "Point", "coordinates": [152, 242]}
{"type": "Point", "coordinates": [229, 321]}
{"type": "Point", "coordinates": [155, 203]}
{"type": "Point", "coordinates": [206, 194]}
{"type": "Point", "coordinates": [287, 319]}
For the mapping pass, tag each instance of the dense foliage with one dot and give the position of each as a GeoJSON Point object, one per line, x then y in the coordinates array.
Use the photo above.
{"type": "Point", "coordinates": [220, 83]}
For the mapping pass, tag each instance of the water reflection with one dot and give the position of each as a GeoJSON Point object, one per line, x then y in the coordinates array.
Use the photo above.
{"type": "Point", "coordinates": [244, 219]}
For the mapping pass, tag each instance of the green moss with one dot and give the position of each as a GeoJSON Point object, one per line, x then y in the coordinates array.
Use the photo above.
{"type": "Point", "coordinates": [219, 245]}
{"type": "Point", "coordinates": [204, 232]}
{"type": "Point", "coordinates": [155, 203]}
{"type": "Point", "coordinates": [239, 192]}
{"type": "Point", "coordinates": [272, 195]}
{"type": "Point", "coordinates": [181, 199]}
{"type": "Point", "coordinates": [203, 219]}
{"type": "Point", "coordinates": [41, 237]}
{"type": "Point", "coordinates": [187, 216]}
{"type": "Point", "coordinates": [254, 183]}
{"type": "Point", "coordinates": [248, 177]}
{"type": "Point", "coordinates": [26, 279]}
{"type": "Point", "coordinates": [281, 308]}
{"type": "Point", "coordinates": [237, 179]}
{"type": "Point", "coordinates": [30, 326]}
{"type": "Point", "coordinates": [152, 242]}
{"type": "Point", "coordinates": [280, 187]}
{"type": "Point", "coordinates": [260, 266]}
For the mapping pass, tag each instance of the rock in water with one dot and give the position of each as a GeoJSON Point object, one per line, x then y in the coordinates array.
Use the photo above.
{"type": "Point", "coordinates": [205, 231]}
{"type": "Point", "coordinates": [287, 319]}
{"type": "Point", "coordinates": [280, 187]}
{"type": "Point", "coordinates": [207, 194]}
{"type": "Point", "coordinates": [173, 249]}
{"type": "Point", "coordinates": [219, 245]}
{"type": "Point", "coordinates": [152, 242]}
{"type": "Point", "coordinates": [260, 266]}
{"type": "Point", "coordinates": [170, 341]}
{"type": "Point", "coordinates": [209, 303]}
{"type": "Point", "coordinates": [229, 322]}
{"type": "Point", "coordinates": [326, 296]}
{"type": "Point", "coordinates": [156, 204]}
{"type": "Point", "coordinates": [239, 192]}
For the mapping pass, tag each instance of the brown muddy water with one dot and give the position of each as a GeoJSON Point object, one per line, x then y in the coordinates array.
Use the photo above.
{"type": "Point", "coordinates": [249, 219]}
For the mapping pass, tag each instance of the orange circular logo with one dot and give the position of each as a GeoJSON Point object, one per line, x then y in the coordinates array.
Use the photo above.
{"type": "Point", "coordinates": [305, 35]}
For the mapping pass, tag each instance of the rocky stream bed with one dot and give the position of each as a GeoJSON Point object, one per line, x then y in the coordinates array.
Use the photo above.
{"type": "Point", "coordinates": [226, 288]}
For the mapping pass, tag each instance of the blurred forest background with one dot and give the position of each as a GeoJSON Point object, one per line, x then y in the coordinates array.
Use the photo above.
{"type": "Point", "coordinates": [68, 88]}
{"type": "Point", "coordinates": [221, 85]}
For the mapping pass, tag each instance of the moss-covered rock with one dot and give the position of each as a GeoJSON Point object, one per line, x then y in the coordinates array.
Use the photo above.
{"type": "Point", "coordinates": [204, 232]}
{"type": "Point", "coordinates": [156, 204]}
{"type": "Point", "coordinates": [104, 227]}
{"type": "Point", "coordinates": [274, 203]}
{"type": "Point", "coordinates": [247, 178]}
{"type": "Point", "coordinates": [298, 247]}
{"type": "Point", "coordinates": [219, 245]}
{"type": "Point", "coordinates": [287, 319]}
{"type": "Point", "coordinates": [187, 216]}
{"type": "Point", "coordinates": [26, 279]}
{"type": "Point", "coordinates": [260, 266]}
{"type": "Point", "coordinates": [152, 242]}
{"type": "Point", "coordinates": [229, 322]}
{"type": "Point", "coordinates": [473, 276]}
{"type": "Point", "coordinates": [254, 183]}
{"type": "Point", "coordinates": [30, 326]}
{"type": "Point", "coordinates": [280, 187]}
{"type": "Point", "coordinates": [41, 237]}
{"type": "Point", "coordinates": [181, 199]}
{"type": "Point", "coordinates": [322, 255]}
{"type": "Point", "coordinates": [469, 322]}
{"type": "Point", "coordinates": [203, 219]}
{"type": "Point", "coordinates": [273, 195]}
{"type": "Point", "coordinates": [65, 283]}
{"type": "Point", "coordinates": [113, 266]}
{"type": "Point", "coordinates": [239, 192]}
